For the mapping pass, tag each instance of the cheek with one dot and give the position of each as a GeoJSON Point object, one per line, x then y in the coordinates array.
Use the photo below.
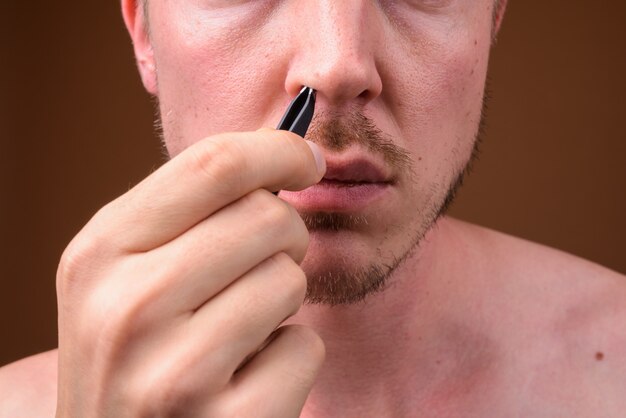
{"type": "Point", "coordinates": [436, 102]}
{"type": "Point", "coordinates": [458, 100]}
{"type": "Point", "coordinates": [208, 70]}
{"type": "Point", "coordinates": [466, 85]}
{"type": "Point", "coordinates": [443, 92]}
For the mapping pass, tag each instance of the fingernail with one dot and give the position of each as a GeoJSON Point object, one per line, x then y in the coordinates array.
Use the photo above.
{"type": "Point", "coordinates": [319, 157]}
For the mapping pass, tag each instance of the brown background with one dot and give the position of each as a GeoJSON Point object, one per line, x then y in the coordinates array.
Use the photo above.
{"type": "Point", "coordinates": [75, 132]}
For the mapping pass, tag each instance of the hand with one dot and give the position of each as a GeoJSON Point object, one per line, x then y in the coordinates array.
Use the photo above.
{"type": "Point", "coordinates": [167, 294]}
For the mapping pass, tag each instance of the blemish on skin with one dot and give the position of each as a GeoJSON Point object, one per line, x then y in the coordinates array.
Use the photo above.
{"type": "Point", "coordinates": [599, 356]}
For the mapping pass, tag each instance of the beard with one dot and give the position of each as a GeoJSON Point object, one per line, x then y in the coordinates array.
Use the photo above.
{"type": "Point", "coordinates": [346, 283]}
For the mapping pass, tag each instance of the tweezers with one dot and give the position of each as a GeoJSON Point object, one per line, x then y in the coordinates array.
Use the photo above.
{"type": "Point", "coordinates": [299, 113]}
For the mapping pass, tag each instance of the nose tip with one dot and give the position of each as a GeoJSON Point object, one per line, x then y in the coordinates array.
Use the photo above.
{"type": "Point", "coordinates": [348, 78]}
{"type": "Point", "coordinates": [338, 80]}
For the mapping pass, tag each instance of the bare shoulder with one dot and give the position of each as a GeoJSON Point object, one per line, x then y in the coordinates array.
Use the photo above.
{"type": "Point", "coordinates": [565, 318]}
{"type": "Point", "coordinates": [557, 272]}
{"type": "Point", "coordinates": [573, 296]}
{"type": "Point", "coordinates": [28, 387]}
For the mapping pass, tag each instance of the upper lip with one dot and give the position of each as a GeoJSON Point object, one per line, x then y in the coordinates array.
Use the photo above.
{"type": "Point", "coordinates": [355, 169]}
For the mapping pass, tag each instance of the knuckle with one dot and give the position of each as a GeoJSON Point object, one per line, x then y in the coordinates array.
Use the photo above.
{"type": "Point", "coordinates": [271, 212]}
{"type": "Point", "coordinates": [174, 388]}
{"type": "Point", "coordinates": [220, 161]}
{"type": "Point", "coordinates": [74, 263]}
{"type": "Point", "coordinates": [310, 351]}
{"type": "Point", "coordinates": [173, 399]}
{"type": "Point", "coordinates": [279, 221]}
{"type": "Point", "coordinates": [69, 264]}
{"type": "Point", "coordinates": [113, 320]}
{"type": "Point", "coordinates": [83, 255]}
{"type": "Point", "coordinates": [103, 326]}
{"type": "Point", "coordinates": [278, 213]}
{"type": "Point", "coordinates": [293, 282]}
{"type": "Point", "coordinates": [298, 284]}
{"type": "Point", "coordinates": [302, 238]}
{"type": "Point", "coordinates": [157, 395]}
{"type": "Point", "coordinates": [311, 343]}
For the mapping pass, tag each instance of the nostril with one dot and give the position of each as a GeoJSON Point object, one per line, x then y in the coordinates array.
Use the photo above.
{"type": "Point", "coordinates": [366, 95]}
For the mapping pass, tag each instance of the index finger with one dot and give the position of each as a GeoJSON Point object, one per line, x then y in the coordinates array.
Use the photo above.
{"type": "Point", "coordinates": [204, 178]}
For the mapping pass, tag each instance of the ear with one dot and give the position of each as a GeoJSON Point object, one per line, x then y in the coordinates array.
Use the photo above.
{"type": "Point", "coordinates": [498, 15]}
{"type": "Point", "coordinates": [137, 25]}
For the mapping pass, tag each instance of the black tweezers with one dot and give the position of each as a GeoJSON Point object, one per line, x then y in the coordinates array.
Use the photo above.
{"type": "Point", "coordinates": [299, 113]}
{"type": "Point", "coordinates": [298, 116]}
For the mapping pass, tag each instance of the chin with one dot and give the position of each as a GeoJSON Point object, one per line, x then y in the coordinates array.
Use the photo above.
{"type": "Point", "coordinates": [343, 267]}
{"type": "Point", "coordinates": [349, 258]}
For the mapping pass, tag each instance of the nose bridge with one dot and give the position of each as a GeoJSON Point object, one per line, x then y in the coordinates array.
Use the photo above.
{"type": "Point", "coordinates": [336, 52]}
{"type": "Point", "coordinates": [340, 30]}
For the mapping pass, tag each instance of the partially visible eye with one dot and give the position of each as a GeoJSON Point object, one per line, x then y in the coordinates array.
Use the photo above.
{"type": "Point", "coordinates": [222, 4]}
{"type": "Point", "coordinates": [428, 4]}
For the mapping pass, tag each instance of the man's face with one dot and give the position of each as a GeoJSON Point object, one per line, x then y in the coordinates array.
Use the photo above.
{"type": "Point", "coordinates": [399, 85]}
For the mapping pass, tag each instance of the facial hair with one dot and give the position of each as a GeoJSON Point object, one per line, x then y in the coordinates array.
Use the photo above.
{"type": "Point", "coordinates": [336, 132]}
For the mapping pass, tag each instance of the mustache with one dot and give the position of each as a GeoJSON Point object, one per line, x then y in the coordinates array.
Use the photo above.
{"type": "Point", "coordinates": [338, 131]}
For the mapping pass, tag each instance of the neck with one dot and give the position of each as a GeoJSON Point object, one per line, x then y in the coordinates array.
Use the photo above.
{"type": "Point", "coordinates": [416, 339]}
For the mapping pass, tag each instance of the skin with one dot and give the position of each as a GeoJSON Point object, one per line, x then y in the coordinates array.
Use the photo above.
{"type": "Point", "coordinates": [168, 291]}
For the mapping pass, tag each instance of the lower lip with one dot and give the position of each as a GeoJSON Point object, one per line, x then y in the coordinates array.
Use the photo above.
{"type": "Point", "coordinates": [335, 196]}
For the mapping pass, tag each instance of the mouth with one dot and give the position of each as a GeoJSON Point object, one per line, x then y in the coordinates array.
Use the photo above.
{"type": "Point", "coordinates": [343, 183]}
{"type": "Point", "coordinates": [355, 171]}
{"type": "Point", "coordinates": [351, 184]}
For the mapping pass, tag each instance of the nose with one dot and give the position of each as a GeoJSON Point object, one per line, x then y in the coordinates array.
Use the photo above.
{"type": "Point", "coordinates": [335, 46]}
